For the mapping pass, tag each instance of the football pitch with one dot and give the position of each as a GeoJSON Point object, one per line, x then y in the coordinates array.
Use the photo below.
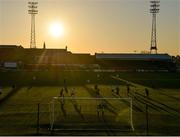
{"type": "Point", "coordinates": [28, 110]}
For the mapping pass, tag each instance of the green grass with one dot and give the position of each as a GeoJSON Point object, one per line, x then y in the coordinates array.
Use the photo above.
{"type": "Point", "coordinates": [18, 113]}
{"type": "Point", "coordinates": [5, 91]}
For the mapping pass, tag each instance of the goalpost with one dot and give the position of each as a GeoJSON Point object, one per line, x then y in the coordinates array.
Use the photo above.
{"type": "Point", "coordinates": [82, 113]}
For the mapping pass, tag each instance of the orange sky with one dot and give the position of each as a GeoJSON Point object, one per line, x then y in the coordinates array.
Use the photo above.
{"type": "Point", "coordinates": [93, 25]}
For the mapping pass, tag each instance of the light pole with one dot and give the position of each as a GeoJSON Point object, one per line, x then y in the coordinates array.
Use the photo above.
{"type": "Point", "coordinates": [154, 10]}
{"type": "Point", "coordinates": [33, 11]}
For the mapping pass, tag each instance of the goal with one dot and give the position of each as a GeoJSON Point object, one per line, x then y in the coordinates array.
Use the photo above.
{"type": "Point", "coordinates": [82, 113]}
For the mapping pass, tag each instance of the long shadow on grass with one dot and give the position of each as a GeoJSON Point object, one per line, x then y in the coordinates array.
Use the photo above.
{"type": "Point", "coordinates": [78, 109]}
{"type": "Point", "coordinates": [109, 107]}
{"type": "Point", "coordinates": [135, 107]}
{"type": "Point", "coordinates": [155, 101]}
{"type": "Point", "coordinates": [63, 110]}
{"type": "Point", "coordinates": [147, 100]}
{"type": "Point", "coordinates": [172, 97]}
{"type": "Point", "coordinates": [75, 105]}
{"type": "Point", "coordinates": [11, 93]}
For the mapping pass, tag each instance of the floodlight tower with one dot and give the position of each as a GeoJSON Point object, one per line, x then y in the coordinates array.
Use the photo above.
{"type": "Point", "coordinates": [154, 10]}
{"type": "Point", "coordinates": [33, 11]}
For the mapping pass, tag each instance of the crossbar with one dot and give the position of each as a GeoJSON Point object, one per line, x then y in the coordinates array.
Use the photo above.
{"type": "Point", "coordinates": [88, 98]}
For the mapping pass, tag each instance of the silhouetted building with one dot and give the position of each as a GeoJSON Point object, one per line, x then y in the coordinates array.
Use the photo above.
{"type": "Point", "coordinates": [31, 58]}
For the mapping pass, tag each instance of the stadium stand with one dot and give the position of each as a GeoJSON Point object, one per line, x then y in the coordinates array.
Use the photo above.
{"type": "Point", "coordinates": [135, 62]}
{"type": "Point", "coordinates": [63, 59]}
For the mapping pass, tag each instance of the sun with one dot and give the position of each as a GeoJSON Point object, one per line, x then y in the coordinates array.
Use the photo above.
{"type": "Point", "coordinates": [56, 29]}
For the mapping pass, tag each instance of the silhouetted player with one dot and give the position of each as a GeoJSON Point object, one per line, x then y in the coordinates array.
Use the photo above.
{"type": "Point", "coordinates": [97, 91]}
{"type": "Point", "coordinates": [73, 92]}
{"type": "Point", "coordinates": [62, 100]}
{"type": "Point", "coordinates": [96, 87]}
{"type": "Point", "coordinates": [13, 86]}
{"type": "Point", "coordinates": [117, 90]}
{"type": "Point", "coordinates": [100, 109]}
{"type": "Point", "coordinates": [112, 91]}
{"type": "Point", "coordinates": [61, 93]}
{"type": "Point", "coordinates": [147, 92]}
{"type": "Point", "coordinates": [65, 86]}
{"type": "Point", "coordinates": [128, 89]}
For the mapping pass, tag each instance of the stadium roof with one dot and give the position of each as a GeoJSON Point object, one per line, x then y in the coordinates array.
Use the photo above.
{"type": "Point", "coordinates": [123, 56]}
{"type": "Point", "coordinates": [10, 46]}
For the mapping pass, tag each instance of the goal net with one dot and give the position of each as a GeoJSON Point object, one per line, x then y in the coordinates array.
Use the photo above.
{"type": "Point", "coordinates": [68, 113]}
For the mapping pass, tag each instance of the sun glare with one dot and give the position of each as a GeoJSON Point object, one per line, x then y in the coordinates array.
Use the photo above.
{"type": "Point", "coordinates": [56, 30]}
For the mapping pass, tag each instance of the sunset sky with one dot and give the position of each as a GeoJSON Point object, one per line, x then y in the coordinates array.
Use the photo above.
{"type": "Point", "coordinates": [89, 26]}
